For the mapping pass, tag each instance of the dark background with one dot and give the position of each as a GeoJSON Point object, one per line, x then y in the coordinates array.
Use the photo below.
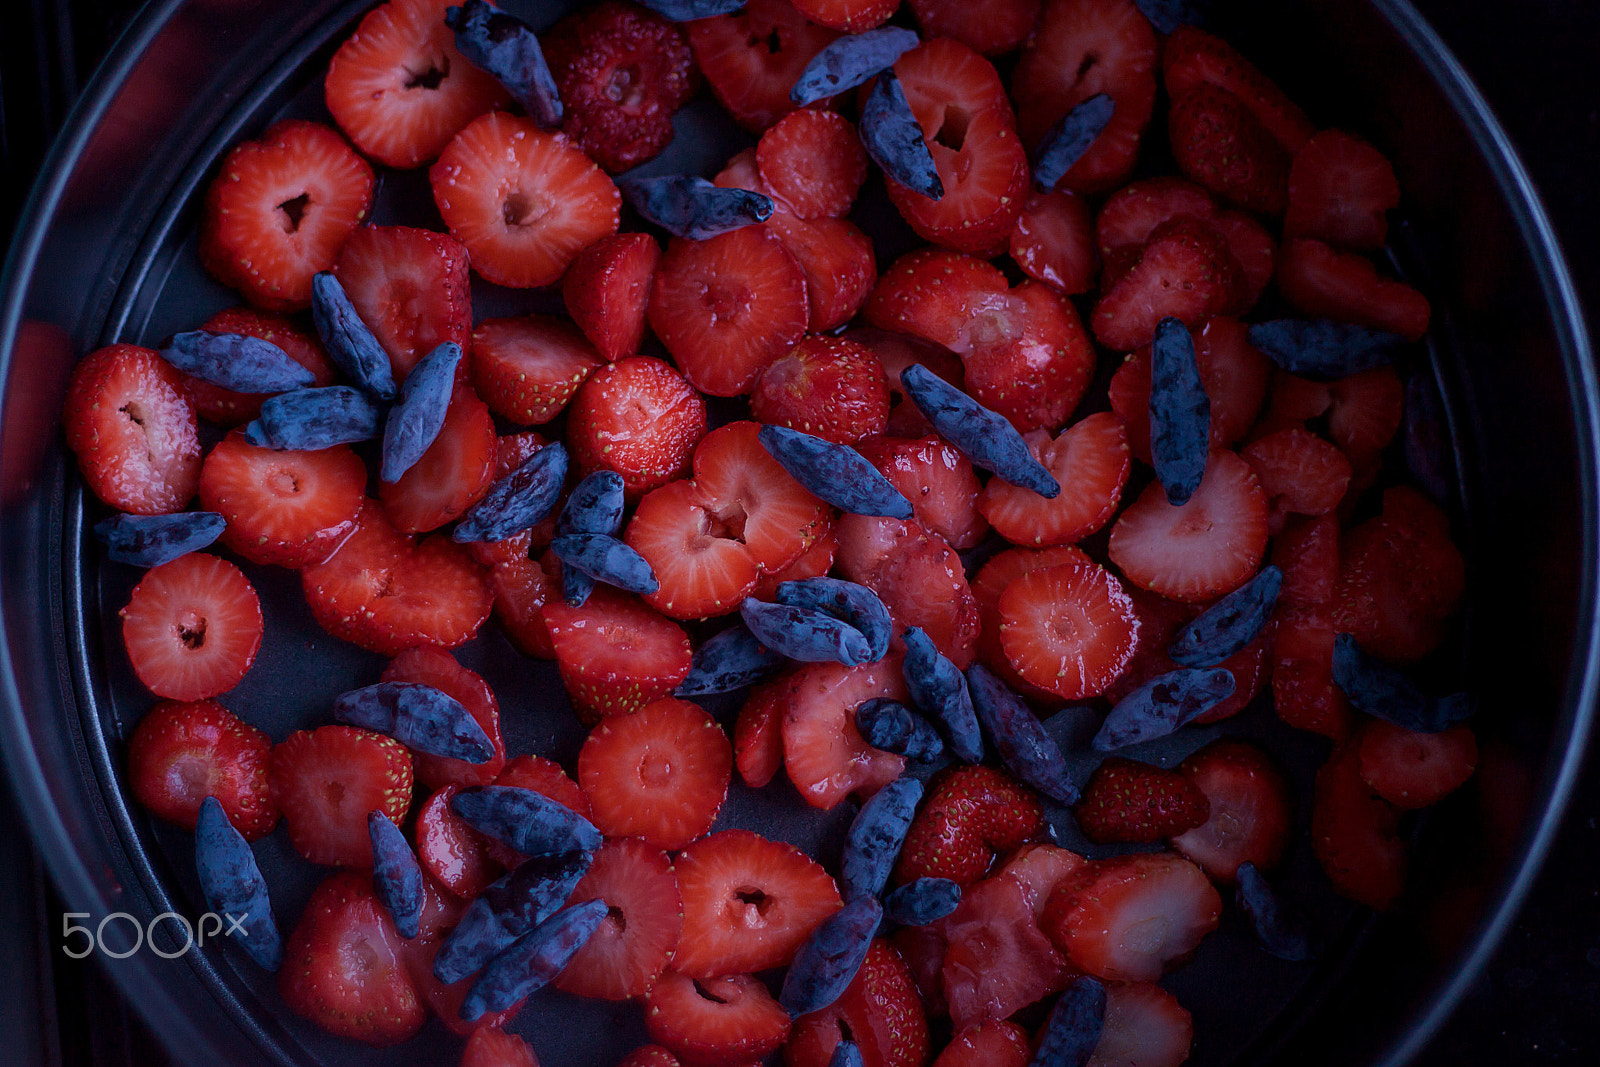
{"type": "Point", "coordinates": [1538, 1003]}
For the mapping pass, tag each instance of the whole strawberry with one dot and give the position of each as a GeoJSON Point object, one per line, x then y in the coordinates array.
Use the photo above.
{"type": "Point", "coordinates": [973, 813]}
{"type": "Point", "coordinates": [1127, 801]}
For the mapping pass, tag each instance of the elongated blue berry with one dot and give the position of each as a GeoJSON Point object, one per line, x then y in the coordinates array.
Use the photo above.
{"type": "Point", "coordinates": [1230, 624]}
{"type": "Point", "coordinates": [396, 874]}
{"type": "Point", "coordinates": [893, 138]}
{"type": "Point", "coordinates": [349, 343]}
{"type": "Point", "coordinates": [414, 422]}
{"type": "Point", "coordinates": [236, 361]}
{"type": "Point", "coordinates": [595, 505]}
{"type": "Point", "coordinates": [1387, 693]}
{"type": "Point", "coordinates": [1073, 1032]}
{"type": "Point", "coordinates": [529, 822]}
{"type": "Point", "coordinates": [983, 436]}
{"type": "Point", "coordinates": [1069, 139]}
{"type": "Point", "coordinates": [846, 1054]}
{"type": "Point", "coordinates": [893, 727]}
{"type": "Point", "coordinates": [846, 601]}
{"type": "Point", "coordinates": [1024, 744]}
{"type": "Point", "coordinates": [505, 47]}
{"type": "Point", "coordinates": [1180, 412]}
{"type": "Point", "coordinates": [829, 959]}
{"type": "Point", "coordinates": [151, 540]}
{"type": "Point", "coordinates": [693, 207]}
{"type": "Point", "coordinates": [1168, 15]}
{"type": "Point", "coordinates": [1320, 348]}
{"type": "Point", "coordinates": [517, 500]}
{"type": "Point", "coordinates": [1162, 705]}
{"type": "Point", "coordinates": [507, 909]}
{"type": "Point", "coordinates": [922, 901]}
{"type": "Point", "coordinates": [850, 61]}
{"type": "Point", "coordinates": [834, 473]}
{"type": "Point", "coordinates": [875, 837]}
{"type": "Point", "coordinates": [533, 960]}
{"type": "Point", "coordinates": [804, 635]}
{"type": "Point", "coordinates": [308, 419]}
{"type": "Point", "coordinates": [939, 690]}
{"type": "Point", "coordinates": [422, 718]}
{"type": "Point", "coordinates": [727, 661]}
{"type": "Point", "coordinates": [606, 559]}
{"type": "Point", "coordinates": [689, 10]}
{"type": "Point", "coordinates": [1279, 927]}
{"type": "Point", "coordinates": [233, 886]}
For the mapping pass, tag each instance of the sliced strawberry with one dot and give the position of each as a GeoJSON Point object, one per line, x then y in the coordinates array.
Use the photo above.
{"type": "Point", "coordinates": [1346, 287]}
{"type": "Point", "coordinates": [607, 289]}
{"type": "Point", "coordinates": [437, 668]}
{"type": "Point", "coordinates": [446, 1000]}
{"type": "Point", "coordinates": [192, 627]}
{"type": "Point", "coordinates": [344, 967]}
{"type": "Point", "coordinates": [919, 578]}
{"type": "Point", "coordinates": [133, 430]}
{"type": "Point", "coordinates": [838, 263]}
{"type": "Point", "coordinates": [935, 294]}
{"type": "Point", "coordinates": [1090, 460]}
{"type": "Point", "coordinates": [971, 813]}
{"type": "Point", "coordinates": [1144, 1026]}
{"type": "Point", "coordinates": [728, 306]}
{"type": "Point", "coordinates": [633, 945]}
{"type": "Point", "coordinates": [1340, 191]}
{"type": "Point", "coordinates": [452, 853]}
{"type": "Point", "coordinates": [938, 481]}
{"type": "Point", "coordinates": [527, 368]}
{"type": "Point", "coordinates": [1081, 48]}
{"type": "Point", "coordinates": [1038, 868]}
{"type": "Point", "coordinates": [1205, 548]}
{"type": "Point", "coordinates": [523, 201]}
{"type": "Point", "coordinates": [1133, 213]}
{"type": "Point", "coordinates": [831, 387]}
{"type": "Point", "coordinates": [410, 287]}
{"type": "Point", "coordinates": [614, 653]}
{"type": "Point", "coordinates": [1053, 242]}
{"type": "Point", "coordinates": [715, 1022]}
{"type": "Point", "coordinates": [1031, 358]}
{"type": "Point", "coordinates": [660, 774]}
{"type": "Point", "coordinates": [996, 961]}
{"type": "Point", "coordinates": [385, 592]}
{"type": "Point", "coordinates": [1126, 801]}
{"type": "Point", "coordinates": [1251, 668]}
{"type": "Point", "coordinates": [639, 418]}
{"type": "Point", "coordinates": [1303, 693]}
{"type": "Point", "coordinates": [996, 1043]}
{"type": "Point", "coordinates": [1219, 143]}
{"type": "Point", "coordinates": [1364, 413]}
{"type": "Point", "coordinates": [490, 1046]}
{"type": "Point", "coordinates": [327, 780]}
{"type": "Point", "coordinates": [1193, 58]}
{"type": "Point", "coordinates": [649, 1056]}
{"type": "Point", "coordinates": [1132, 918]}
{"type": "Point", "coordinates": [1307, 551]}
{"type": "Point", "coordinates": [753, 57]}
{"type": "Point", "coordinates": [990, 28]}
{"type": "Point", "coordinates": [621, 73]}
{"type": "Point", "coordinates": [1401, 577]}
{"type": "Point", "coordinates": [1416, 770]}
{"type": "Point", "coordinates": [521, 589]}
{"type": "Point", "coordinates": [452, 474]}
{"type": "Point", "coordinates": [987, 585]}
{"type": "Point", "coordinates": [1255, 250]}
{"type": "Point", "coordinates": [814, 161]}
{"type": "Point", "coordinates": [1299, 471]}
{"type": "Point", "coordinates": [1186, 272]}
{"type": "Point", "coordinates": [289, 508]}
{"type": "Point", "coordinates": [748, 903]}
{"type": "Point", "coordinates": [758, 733]}
{"type": "Point", "coordinates": [1249, 810]}
{"type": "Point", "coordinates": [879, 1011]}
{"type": "Point", "coordinates": [1068, 629]}
{"type": "Point", "coordinates": [228, 408]}
{"type": "Point", "coordinates": [280, 209]}
{"type": "Point", "coordinates": [181, 753]}
{"type": "Point", "coordinates": [851, 16]}
{"type": "Point", "coordinates": [814, 562]}
{"type": "Point", "coordinates": [1354, 832]}
{"type": "Point", "coordinates": [823, 753]}
{"type": "Point", "coordinates": [896, 352]}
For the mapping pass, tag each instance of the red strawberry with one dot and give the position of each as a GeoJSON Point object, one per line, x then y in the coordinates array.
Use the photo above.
{"type": "Point", "coordinates": [1303, 693]}
{"type": "Point", "coordinates": [1209, 546]}
{"type": "Point", "coordinates": [525, 202]}
{"type": "Point", "coordinates": [639, 418]}
{"type": "Point", "coordinates": [1133, 213]}
{"type": "Point", "coordinates": [823, 753]}
{"type": "Point", "coordinates": [614, 653]}
{"type": "Point", "coordinates": [133, 430]}
{"type": "Point", "coordinates": [1068, 629]}
{"type": "Point", "coordinates": [1249, 818]}
{"type": "Point", "coordinates": [607, 289]}
{"type": "Point", "coordinates": [452, 474]}
{"type": "Point", "coordinates": [896, 352]}
{"type": "Point", "coordinates": [1038, 868]}
{"type": "Point", "coordinates": [289, 508]}
{"type": "Point", "coordinates": [851, 16]}
{"type": "Point", "coordinates": [660, 774]}
{"type": "Point", "coordinates": [1340, 189]}
{"type": "Point", "coordinates": [192, 627]}
{"type": "Point", "coordinates": [385, 592]}
{"type": "Point", "coordinates": [326, 781]}
{"type": "Point", "coordinates": [1126, 801]}
{"type": "Point", "coordinates": [748, 903]}
{"type": "Point", "coordinates": [228, 408]}
{"type": "Point", "coordinates": [398, 87]}
{"type": "Point", "coordinates": [753, 57]}
{"type": "Point", "coordinates": [410, 287]}
{"type": "Point", "coordinates": [987, 585]}
{"type": "Point", "coordinates": [1144, 1026]}
{"type": "Point", "coordinates": [490, 1046]}
{"type": "Point", "coordinates": [917, 575]}
{"type": "Point", "coordinates": [521, 589]}
{"type": "Point", "coordinates": [435, 667]}
{"type": "Point", "coordinates": [996, 1043]}
{"type": "Point", "coordinates": [279, 211]}
{"type": "Point", "coordinates": [649, 1056]}
{"type": "Point", "coordinates": [1255, 250]}
{"type": "Point", "coordinates": [1053, 242]}
{"type": "Point", "coordinates": [758, 733]}
{"type": "Point", "coordinates": [990, 28]}
{"type": "Point", "coordinates": [880, 1011]}
{"type": "Point", "coordinates": [1354, 833]}
{"type": "Point", "coordinates": [1219, 143]}
{"type": "Point", "coordinates": [948, 84]}
{"type": "Point", "coordinates": [837, 261]}
{"type": "Point", "coordinates": [1346, 287]}
{"type": "Point", "coordinates": [546, 777]}
{"type": "Point", "coordinates": [996, 961]}
{"type": "Point", "coordinates": [1364, 413]}
{"type": "Point", "coordinates": [1186, 271]}
{"type": "Point", "coordinates": [937, 295]}
{"type": "Point", "coordinates": [828, 386]}
{"type": "Point", "coordinates": [1193, 58]}
{"type": "Point", "coordinates": [635, 942]}
{"type": "Point", "coordinates": [1031, 358]}
{"type": "Point", "coordinates": [1079, 49]}
{"type": "Point", "coordinates": [1401, 577]}
{"type": "Point", "coordinates": [938, 481]}
{"type": "Point", "coordinates": [1307, 551]}
{"type": "Point", "coordinates": [527, 368]}
{"type": "Point", "coordinates": [1299, 471]}
{"type": "Point", "coordinates": [621, 72]}
{"type": "Point", "coordinates": [1131, 918]}
{"type": "Point", "coordinates": [970, 814]}
{"type": "Point", "coordinates": [727, 307]}
{"type": "Point", "coordinates": [1090, 460]}
{"type": "Point", "coordinates": [1251, 668]}
{"type": "Point", "coordinates": [715, 1022]}
{"type": "Point", "coordinates": [452, 853]}
{"type": "Point", "coordinates": [180, 754]}
{"type": "Point", "coordinates": [814, 562]}
{"type": "Point", "coordinates": [1416, 770]}
{"type": "Point", "coordinates": [813, 161]}
{"type": "Point", "coordinates": [344, 968]}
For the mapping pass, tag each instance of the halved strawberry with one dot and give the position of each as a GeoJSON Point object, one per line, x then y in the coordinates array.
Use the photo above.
{"type": "Point", "coordinates": [1218, 142]}
{"type": "Point", "coordinates": [521, 588]}
{"type": "Point", "coordinates": [1303, 693]}
{"type": "Point", "coordinates": [490, 1046]}
{"type": "Point", "coordinates": [897, 351]}
{"type": "Point", "coordinates": [399, 88]}
{"type": "Point", "coordinates": [1256, 251]}
{"type": "Point", "coordinates": [134, 432]}
{"type": "Point", "coordinates": [813, 161]}
{"type": "Point", "coordinates": [1300, 473]}
{"type": "Point", "coordinates": [639, 418]}
{"type": "Point", "coordinates": [1133, 213]}
{"type": "Point", "coordinates": [879, 1011]}
{"type": "Point", "coordinates": [1131, 802]}
{"type": "Point", "coordinates": [615, 654]}
{"type": "Point", "coordinates": [452, 474]}
{"type": "Point", "coordinates": [279, 211]}
{"type": "Point", "coordinates": [987, 585]}
{"type": "Point", "coordinates": [715, 1022]}
{"type": "Point", "coordinates": [228, 408]}
{"type": "Point", "coordinates": [1053, 242]}
{"type": "Point", "coordinates": [1307, 551]}
{"type": "Point", "coordinates": [838, 263]}
{"type": "Point", "coordinates": [1354, 832]}
{"type": "Point", "coordinates": [1340, 190]}
{"type": "Point", "coordinates": [344, 967]}
{"type": "Point", "coordinates": [649, 1056]}
{"type": "Point", "coordinates": [938, 481]}
{"type": "Point", "coordinates": [410, 287]}
{"type": "Point", "coordinates": [1131, 918]}
{"type": "Point", "coordinates": [814, 562]}
{"type": "Point", "coordinates": [996, 960]}
{"type": "Point", "coordinates": [1250, 816]}
{"type": "Point", "coordinates": [728, 306]}
{"type": "Point", "coordinates": [527, 368]}
{"type": "Point", "coordinates": [995, 1043]}
{"type": "Point", "coordinates": [511, 451]}
{"type": "Point", "coordinates": [385, 592]}
{"type": "Point", "coordinates": [1346, 287]}
{"type": "Point", "coordinates": [971, 813]}
{"type": "Point", "coordinates": [1205, 548]}
{"type": "Point", "coordinates": [831, 387]}
{"type": "Point", "coordinates": [181, 753]}
{"type": "Point", "coordinates": [452, 853]}
{"type": "Point", "coordinates": [289, 508]}
{"type": "Point", "coordinates": [607, 289]}
{"type": "Point", "coordinates": [635, 942]}
{"type": "Point", "coordinates": [326, 781]}
{"type": "Point", "coordinates": [1416, 770]}
{"type": "Point", "coordinates": [1364, 413]}
{"type": "Point", "coordinates": [1090, 460]}
{"type": "Point", "coordinates": [660, 773]}
{"type": "Point", "coordinates": [748, 903]}
{"type": "Point", "coordinates": [1081, 48]}
{"type": "Point", "coordinates": [851, 16]}
{"type": "Point", "coordinates": [1038, 868]}
{"type": "Point", "coordinates": [1068, 629]}
{"type": "Point", "coordinates": [758, 732]}
{"type": "Point", "coordinates": [525, 202]}
{"type": "Point", "coordinates": [1144, 1026]}
{"type": "Point", "coordinates": [1031, 358]}
{"type": "Point", "coordinates": [825, 756]}
{"type": "Point", "coordinates": [917, 575]}
{"type": "Point", "coordinates": [1193, 57]}
{"type": "Point", "coordinates": [989, 28]}
{"type": "Point", "coordinates": [936, 294]}
{"type": "Point", "coordinates": [435, 667]}
{"type": "Point", "coordinates": [752, 58]}
{"type": "Point", "coordinates": [1185, 271]}
{"type": "Point", "coordinates": [192, 627]}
